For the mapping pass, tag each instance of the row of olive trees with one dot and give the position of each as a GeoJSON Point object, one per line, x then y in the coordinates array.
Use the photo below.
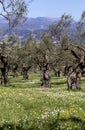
{"type": "Point", "coordinates": [48, 54]}
{"type": "Point", "coordinates": [55, 49]}
{"type": "Point", "coordinates": [13, 11]}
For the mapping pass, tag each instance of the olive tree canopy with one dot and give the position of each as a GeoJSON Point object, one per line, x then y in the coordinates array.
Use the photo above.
{"type": "Point", "coordinates": [13, 11]}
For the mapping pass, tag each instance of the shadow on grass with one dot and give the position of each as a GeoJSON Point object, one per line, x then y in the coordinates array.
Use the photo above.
{"type": "Point", "coordinates": [37, 85]}
{"type": "Point", "coordinates": [58, 83]}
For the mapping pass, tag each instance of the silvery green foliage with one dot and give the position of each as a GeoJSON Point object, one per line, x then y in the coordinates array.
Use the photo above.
{"type": "Point", "coordinates": [13, 11]}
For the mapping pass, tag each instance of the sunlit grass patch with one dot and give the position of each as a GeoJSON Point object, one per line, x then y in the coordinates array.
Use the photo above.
{"type": "Point", "coordinates": [27, 106]}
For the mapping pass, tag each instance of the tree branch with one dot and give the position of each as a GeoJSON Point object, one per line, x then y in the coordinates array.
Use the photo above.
{"type": "Point", "coordinates": [78, 47]}
{"type": "Point", "coordinates": [74, 54]}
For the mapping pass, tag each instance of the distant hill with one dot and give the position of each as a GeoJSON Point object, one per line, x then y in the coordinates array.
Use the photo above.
{"type": "Point", "coordinates": [37, 25]}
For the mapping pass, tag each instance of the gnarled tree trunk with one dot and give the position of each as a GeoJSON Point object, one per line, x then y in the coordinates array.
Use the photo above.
{"type": "Point", "coordinates": [25, 72]}
{"type": "Point", "coordinates": [4, 75]}
{"type": "Point", "coordinates": [4, 69]}
{"type": "Point", "coordinates": [45, 76]}
{"type": "Point", "coordinates": [14, 69]}
{"type": "Point", "coordinates": [73, 79]}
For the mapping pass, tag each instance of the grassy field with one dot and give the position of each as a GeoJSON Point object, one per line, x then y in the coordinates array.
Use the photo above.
{"type": "Point", "coordinates": [26, 106]}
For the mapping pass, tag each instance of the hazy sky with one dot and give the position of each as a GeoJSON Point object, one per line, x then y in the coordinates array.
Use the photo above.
{"type": "Point", "coordinates": [55, 8]}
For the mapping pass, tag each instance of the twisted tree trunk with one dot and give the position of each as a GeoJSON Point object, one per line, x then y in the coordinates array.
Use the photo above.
{"type": "Point", "coordinates": [4, 75]}
{"type": "Point", "coordinates": [45, 77]}
{"type": "Point", "coordinates": [14, 69]}
{"type": "Point", "coordinates": [25, 72]}
{"type": "Point", "coordinates": [73, 79]}
{"type": "Point", "coordinates": [4, 69]}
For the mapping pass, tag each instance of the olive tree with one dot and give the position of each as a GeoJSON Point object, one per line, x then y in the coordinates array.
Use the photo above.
{"type": "Point", "coordinates": [80, 29]}
{"type": "Point", "coordinates": [74, 76]}
{"type": "Point", "coordinates": [60, 36]}
{"type": "Point", "coordinates": [13, 11]}
{"type": "Point", "coordinates": [41, 53]}
{"type": "Point", "coordinates": [60, 28]}
{"type": "Point", "coordinates": [77, 49]}
{"type": "Point", "coordinates": [25, 54]}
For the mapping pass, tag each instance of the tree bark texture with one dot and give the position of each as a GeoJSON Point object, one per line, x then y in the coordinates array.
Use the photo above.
{"type": "Point", "coordinates": [4, 69]}
{"type": "Point", "coordinates": [45, 80]}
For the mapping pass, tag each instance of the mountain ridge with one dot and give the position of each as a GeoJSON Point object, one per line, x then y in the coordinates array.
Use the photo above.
{"type": "Point", "coordinates": [37, 25]}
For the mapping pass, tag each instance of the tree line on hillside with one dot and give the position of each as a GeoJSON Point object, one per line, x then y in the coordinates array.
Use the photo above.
{"type": "Point", "coordinates": [56, 50]}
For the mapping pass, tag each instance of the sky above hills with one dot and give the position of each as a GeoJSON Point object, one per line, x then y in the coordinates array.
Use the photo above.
{"type": "Point", "coordinates": [55, 8]}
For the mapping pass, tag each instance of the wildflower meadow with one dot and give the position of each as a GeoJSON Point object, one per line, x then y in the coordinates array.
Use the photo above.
{"type": "Point", "coordinates": [26, 106]}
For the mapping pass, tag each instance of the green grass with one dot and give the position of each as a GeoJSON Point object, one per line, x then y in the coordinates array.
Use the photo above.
{"type": "Point", "coordinates": [26, 106]}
